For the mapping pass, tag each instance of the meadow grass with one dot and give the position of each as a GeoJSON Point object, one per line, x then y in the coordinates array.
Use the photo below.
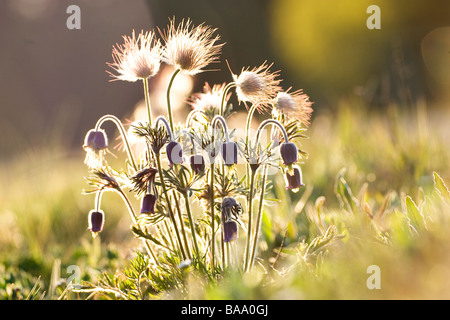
{"type": "Point", "coordinates": [316, 244]}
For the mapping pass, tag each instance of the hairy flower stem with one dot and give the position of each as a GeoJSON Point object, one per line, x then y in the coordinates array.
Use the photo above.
{"type": "Point", "coordinates": [169, 233]}
{"type": "Point", "coordinates": [169, 206]}
{"type": "Point", "coordinates": [259, 216]}
{"type": "Point", "coordinates": [134, 220]}
{"type": "Point", "coordinates": [251, 111]}
{"type": "Point", "coordinates": [147, 100]}
{"type": "Point", "coordinates": [191, 222]}
{"type": "Point", "coordinates": [119, 126]}
{"type": "Point", "coordinates": [211, 203]}
{"type": "Point", "coordinates": [169, 107]}
{"type": "Point", "coordinates": [249, 224]}
{"type": "Point", "coordinates": [249, 263]}
{"type": "Point", "coordinates": [192, 115]}
{"type": "Point", "coordinates": [224, 96]}
{"type": "Point", "coordinates": [247, 134]}
{"type": "Point", "coordinates": [183, 231]}
{"type": "Point", "coordinates": [98, 199]}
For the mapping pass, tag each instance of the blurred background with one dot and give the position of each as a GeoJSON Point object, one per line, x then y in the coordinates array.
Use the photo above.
{"type": "Point", "coordinates": [54, 84]}
{"type": "Point", "coordinates": [380, 97]}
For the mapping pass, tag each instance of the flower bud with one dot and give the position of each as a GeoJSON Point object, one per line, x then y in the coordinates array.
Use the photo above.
{"type": "Point", "coordinates": [197, 163]}
{"type": "Point", "coordinates": [96, 220]}
{"type": "Point", "coordinates": [230, 231]}
{"type": "Point", "coordinates": [230, 153]}
{"type": "Point", "coordinates": [96, 140]}
{"type": "Point", "coordinates": [294, 179]}
{"type": "Point", "coordinates": [174, 153]}
{"type": "Point", "coordinates": [230, 209]}
{"type": "Point", "coordinates": [95, 144]}
{"type": "Point", "coordinates": [148, 203]}
{"type": "Point", "coordinates": [288, 152]}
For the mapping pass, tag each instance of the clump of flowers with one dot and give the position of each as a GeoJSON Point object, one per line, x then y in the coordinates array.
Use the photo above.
{"type": "Point", "coordinates": [197, 160]}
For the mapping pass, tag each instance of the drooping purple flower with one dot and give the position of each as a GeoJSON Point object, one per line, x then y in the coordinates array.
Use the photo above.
{"type": "Point", "coordinates": [230, 231]}
{"type": "Point", "coordinates": [294, 179]}
{"type": "Point", "coordinates": [197, 162]}
{"type": "Point", "coordinates": [230, 153]}
{"type": "Point", "coordinates": [288, 152]}
{"type": "Point", "coordinates": [96, 221]}
{"type": "Point", "coordinates": [148, 203]}
{"type": "Point", "coordinates": [96, 140]}
{"type": "Point", "coordinates": [95, 144]}
{"type": "Point", "coordinates": [174, 153]}
{"type": "Point", "coordinates": [230, 211]}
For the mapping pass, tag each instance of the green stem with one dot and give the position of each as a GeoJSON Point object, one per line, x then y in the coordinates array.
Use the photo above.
{"type": "Point", "coordinates": [224, 126]}
{"type": "Point", "coordinates": [192, 115]}
{"type": "Point", "coordinates": [191, 222]}
{"type": "Point", "coordinates": [169, 206]}
{"type": "Point", "coordinates": [119, 126]}
{"type": "Point", "coordinates": [251, 111]}
{"type": "Point", "coordinates": [169, 107]}
{"type": "Point", "coordinates": [211, 202]}
{"type": "Point", "coordinates": [169, 234]}
{"type": "Point", "coordinates": [224, 96]}
{"type": "Point", "coordinates": [183, 231]}
{"type": "Point", "coordinates": [98, 199]}
{"type": "Point", "coordinates": [249, 225]}
{"type": "Point", "coordinates": [147, 101]}
{"type": "Point", "coordinates": [134, 220]}
{"type": "Point", "coordinates": [258, 217]}
{"type": "Point", "coordinates": [247, 133]}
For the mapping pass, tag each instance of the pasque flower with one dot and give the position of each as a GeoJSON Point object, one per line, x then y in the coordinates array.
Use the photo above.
{"type": "Point", "coordinates": [230, 153]}
{"type": "Point", "coordinates": [288, 152]}
{"type": "Point", "coordinates": [296, 105]}
{"type": "Point", "coordinates": [148, 203]}
{"type": "Point", "coordinates": [189, 48]}
{"type": "Point", "coordinates": [197, 163]}
{"type": "Point", "coordinates": [230, 211]}
{"type": "Point", "coordinates": [258, 86]}
{"type": "Point", "coordinates": [96, 220]}
{"type": "Point", "coordinates": [95, 145]}
{"type": "Point", "coordinates": [139, 57]}
{"type": "Point", "coordinates": [210, 100]}
{"type": "Point", "coordinates": [174, 153]}
{"type": "Point", "coordinates": [294, 179]}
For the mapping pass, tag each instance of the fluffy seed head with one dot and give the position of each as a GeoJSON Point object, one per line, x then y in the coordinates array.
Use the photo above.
{"type": "Point", "coordinates": [190, 48]}
{"type": "Point", "coordinates": [296, 105]}
{"type": "Point", "coordinates": [210, 99]}
{"type": "Point", "coordinates": [139, 57]}
{"type": "Point", "coordinates": [258, 86]}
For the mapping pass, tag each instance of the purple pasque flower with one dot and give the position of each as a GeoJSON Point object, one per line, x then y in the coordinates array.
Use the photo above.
{"type": "Point", "coordinates": [148, 203]}
{"type": "Point", "coordinates": [289, 153]}
{"type": "Point", "coordinates": [174, 153]}
{"type": "Point", "coordinates": [96, 220]}
{"type": "Point", "coordinates": [230, 153]}
{"type": "Point", "coordinates": [294, 178]}
{"type": "Point", "coordinates": [230, 212]}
